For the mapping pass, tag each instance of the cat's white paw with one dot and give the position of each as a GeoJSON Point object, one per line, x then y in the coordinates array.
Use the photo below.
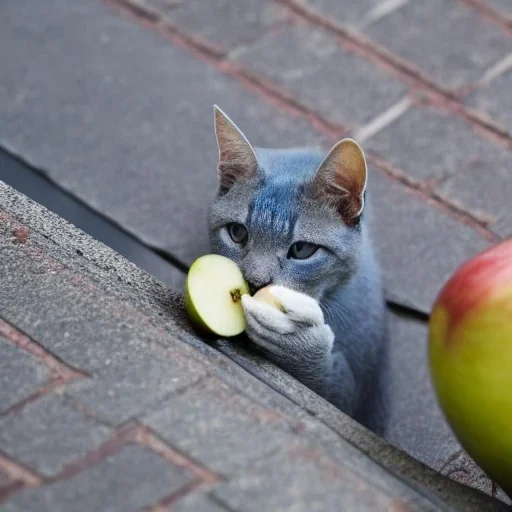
{"type": "Point", "coordinates": [262, 316]}
{"type": "Point", "coordinates": [297, 332]}
{"type": "Point", "coordinates": [298, 306]}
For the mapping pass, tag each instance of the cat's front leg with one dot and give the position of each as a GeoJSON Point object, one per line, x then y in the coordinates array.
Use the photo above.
{"type": "Point", "coordinates": [297, 339]}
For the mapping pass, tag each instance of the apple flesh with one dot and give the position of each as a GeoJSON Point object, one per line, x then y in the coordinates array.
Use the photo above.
{"type": "Point", "coordinates": [213, 291]}
{"type": "Point", "coordinates": [470, 355]}
{"type": "Point", "coordinates": [265, 295]}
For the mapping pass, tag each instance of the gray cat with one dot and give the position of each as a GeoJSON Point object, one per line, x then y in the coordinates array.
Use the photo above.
{"type": "Point", "coordinates": [296, 219]}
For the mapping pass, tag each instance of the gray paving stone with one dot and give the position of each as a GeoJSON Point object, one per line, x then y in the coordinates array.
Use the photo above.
{"type": "Point", "coordinates": [308, 480]}
{"type": "Point", "coordinates": [429, 144]}
{"type": "Point", "coordinates": [418, 244]}
{"type": "Point", "coordinates": [21, 374]}
{"type": "Point", "coordinates": [164, 6]}
{"type": "Point", "coordinates": [123, 390]}
{"type": "Point", "coordinates": [129, 480]}
{"type": "Point", "coordinates": [198, 503]}
{"type": "Point", "coordinates": [349, 13]}
{"type": "Point", "coordinates": [321, 74]}
{"type": "Point", "coordinates": [503, 6]}
{"type": "Point", "coordinates": [485, 185]}
{"type": "Point", "coordinates": [4, 479]}
{"type": "Point", "coordinates": [227, 23]}
{"type": "Point", "coordinates": [138, 130]}
{"type": "Point", "coordinates": [49, 433]}
{"type": "Point", "coordinates": [224, 442]}
{"type": "Point", "coordinates": [495, 100]}
{"type": "Point", "coordinates": [443, 51]}
{"type": "Point", "coordinates": [416, 423]}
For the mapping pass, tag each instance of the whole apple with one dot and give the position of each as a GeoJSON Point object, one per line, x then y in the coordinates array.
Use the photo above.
{"type": "Point", "coordinates": [470, 355]}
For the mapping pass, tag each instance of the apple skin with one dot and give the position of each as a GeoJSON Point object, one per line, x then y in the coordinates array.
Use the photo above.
{"type": "Point", "coordinates": [265, 295]}
{"type": "Point", "coordinates": [470, 356]}
{"type": "Point", "coordinates": [194, 316]}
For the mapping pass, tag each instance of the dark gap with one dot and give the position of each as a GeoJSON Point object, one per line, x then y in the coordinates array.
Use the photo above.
{"type": "Point", "coordinates": [408, 311]}
{"type": "Point", "coordinates": [39, 187]}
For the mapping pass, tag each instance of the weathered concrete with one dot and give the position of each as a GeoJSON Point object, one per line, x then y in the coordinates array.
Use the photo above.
{"type": "Point", "coordinates": [296, 426]}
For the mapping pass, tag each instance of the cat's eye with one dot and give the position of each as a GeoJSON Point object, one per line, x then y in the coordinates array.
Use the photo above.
{"type": "Point", "coordinates": [237, 232]}
{"type": "Point", "coordinates": [302, 250]}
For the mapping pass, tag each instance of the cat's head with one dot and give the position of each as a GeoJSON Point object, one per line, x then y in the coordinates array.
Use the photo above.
{"type": "Point", "coordinates": [289, 217]}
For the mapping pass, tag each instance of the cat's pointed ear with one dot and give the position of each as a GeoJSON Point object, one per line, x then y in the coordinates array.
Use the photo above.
{"type": "Point", "coordinates": [341, 179]}
{"type": "Point", "coordinates": [237, 159]}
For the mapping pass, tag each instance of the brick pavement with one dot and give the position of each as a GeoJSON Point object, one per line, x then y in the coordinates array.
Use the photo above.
{"type": "Point", "coordinates": [432, 111]}
{"type": "Point", "coordinates": [190, 430]}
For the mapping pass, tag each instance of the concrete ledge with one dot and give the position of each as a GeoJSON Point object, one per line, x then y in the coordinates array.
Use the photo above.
{"type": "Point", "coordinates": [227, 428]}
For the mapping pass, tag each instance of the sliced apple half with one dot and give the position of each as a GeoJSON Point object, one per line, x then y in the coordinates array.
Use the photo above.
{"type": "Point", "coordinates": [214, 287]}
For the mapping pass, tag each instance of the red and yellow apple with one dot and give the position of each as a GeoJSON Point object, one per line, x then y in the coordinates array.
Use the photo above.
{"type": "Point", "coordinates": [470, 355]}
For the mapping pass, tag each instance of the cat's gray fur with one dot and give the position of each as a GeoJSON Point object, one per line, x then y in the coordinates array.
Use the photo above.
{"type": "Point", "coordinates": [271, 193]}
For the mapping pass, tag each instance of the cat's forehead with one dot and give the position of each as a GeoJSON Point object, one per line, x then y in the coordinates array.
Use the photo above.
{"type": "Point", "coordinates": [273, 210]}
{"type": "Point", "coordinates": [290, 165]}
{"type": "Point", "coordinates": [275, 206]}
